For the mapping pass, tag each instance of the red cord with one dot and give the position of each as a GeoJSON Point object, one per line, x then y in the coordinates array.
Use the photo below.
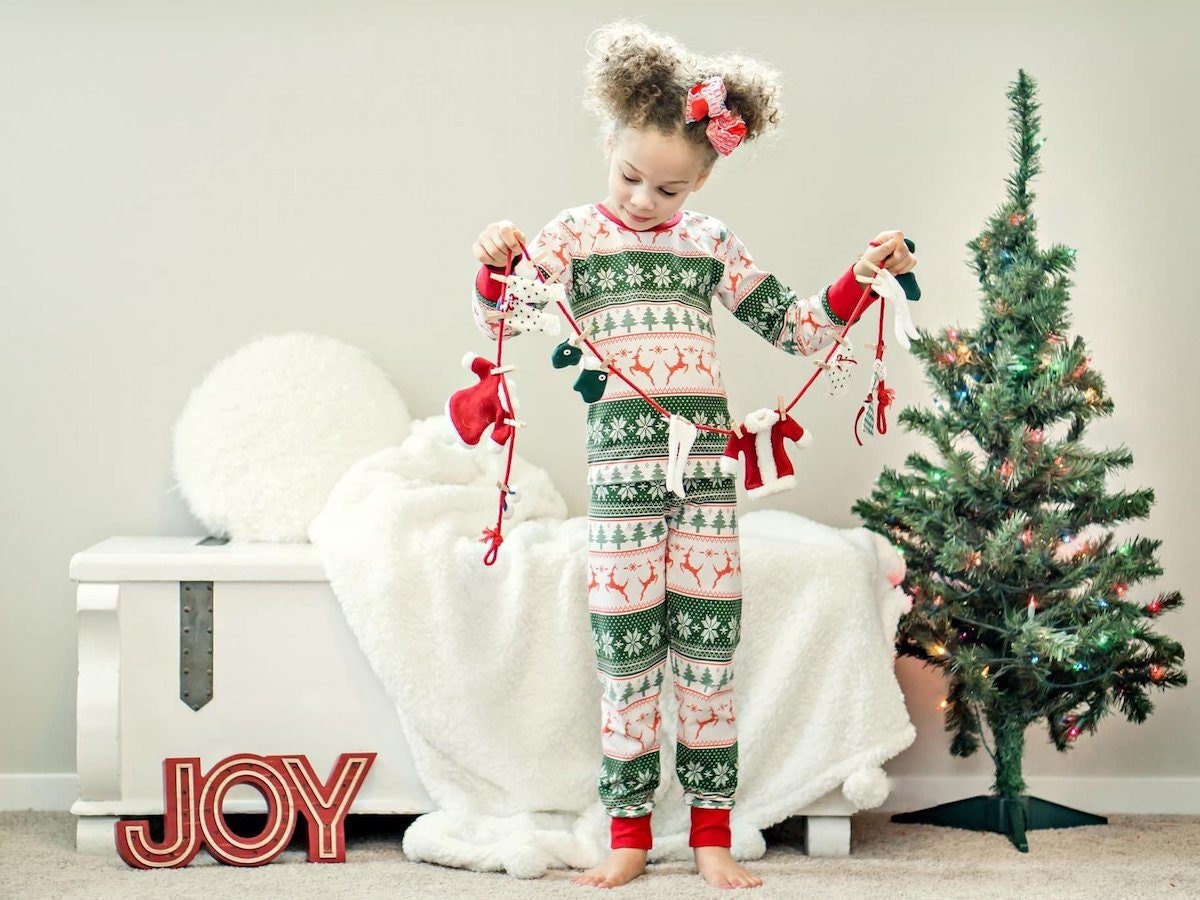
{"type": "Point", "coordinates": [494, 537]}
{"type": "Point", "coordinates": [725, 431]}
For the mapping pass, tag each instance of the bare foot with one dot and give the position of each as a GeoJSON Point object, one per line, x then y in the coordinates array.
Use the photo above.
{"type": "Point", "coordinates": [623, 865]}
{"type": "Point", "coordinates": [718, 868]}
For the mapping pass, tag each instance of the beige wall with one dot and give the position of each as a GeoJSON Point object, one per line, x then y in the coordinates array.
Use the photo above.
{"type": "Point", "coordinates": [177, 179]}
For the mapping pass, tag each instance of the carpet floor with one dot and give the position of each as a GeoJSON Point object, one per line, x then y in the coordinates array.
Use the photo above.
{"type": "Point", "coordinates": [1131, 857]}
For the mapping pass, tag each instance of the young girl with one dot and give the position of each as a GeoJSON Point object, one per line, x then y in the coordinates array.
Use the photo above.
{"type": "Point", "coordinates": [641, 273]}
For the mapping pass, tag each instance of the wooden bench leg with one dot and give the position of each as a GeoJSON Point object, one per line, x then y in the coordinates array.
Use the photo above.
{"type": "Point", "coordinates": [827, 835]}
{"type": "Point", "coordinates": [95, 835]}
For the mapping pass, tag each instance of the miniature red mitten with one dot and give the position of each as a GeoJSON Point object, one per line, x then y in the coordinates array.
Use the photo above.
{"type": "Point", "coordinates": [768, 468]}
{"type": "Point", "coordinates": [474, 409]}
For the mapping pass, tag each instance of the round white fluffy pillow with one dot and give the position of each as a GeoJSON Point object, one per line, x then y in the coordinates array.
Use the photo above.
{"type": "Point", "coordinates": [265, 437]}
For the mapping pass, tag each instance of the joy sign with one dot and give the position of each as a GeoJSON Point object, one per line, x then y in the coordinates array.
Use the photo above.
{"type": "Point", "coordinates": [193, 816]}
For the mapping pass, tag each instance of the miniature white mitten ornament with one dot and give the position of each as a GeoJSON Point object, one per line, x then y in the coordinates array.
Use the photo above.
{"type": "Point", "coordinates": [535, 293]}
{"type": "Point", "coordinates": [525, 317]}
{"type": "Point", "coordinates": [840, 367]}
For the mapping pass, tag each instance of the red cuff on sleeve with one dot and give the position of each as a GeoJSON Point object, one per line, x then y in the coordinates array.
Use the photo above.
{"type": "Point", "coordinates": [486, 285]}
{"type": "Point", "coordinates": [631, 832]}
{"type": "Point", "coordinates": [710, 828]}
{"type": "Point", "coordinates": [844, 294]}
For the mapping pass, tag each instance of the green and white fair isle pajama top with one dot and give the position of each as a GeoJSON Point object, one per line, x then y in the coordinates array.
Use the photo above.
{"type": "Point", "coordinates": [664, 572]}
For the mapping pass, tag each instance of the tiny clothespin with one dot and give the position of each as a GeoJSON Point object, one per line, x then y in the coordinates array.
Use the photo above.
{"type": "Point", "coordinates": [497, 314]}
{"type": "Point", "coordinates": [500, 370]}
{"type": "Point", "coordinates": [576, 339]}
{"type": "Point", "coordinates": [863, 279]}
{"type": "Point", "coordinates": [779, 407]}
{"type": "Point", "coordinates": [496, 276]}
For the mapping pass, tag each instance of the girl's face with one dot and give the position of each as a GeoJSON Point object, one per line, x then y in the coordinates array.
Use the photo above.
{"type": "Point", "coordinates": [651, 175]}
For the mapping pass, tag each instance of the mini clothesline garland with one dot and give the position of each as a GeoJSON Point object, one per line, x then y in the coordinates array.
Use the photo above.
{"type": "Point", "coordinates": [501, 414]}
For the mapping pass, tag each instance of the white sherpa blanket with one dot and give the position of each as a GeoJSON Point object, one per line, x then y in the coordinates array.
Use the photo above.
{"type": "Point", "coordinates": [493, 674]}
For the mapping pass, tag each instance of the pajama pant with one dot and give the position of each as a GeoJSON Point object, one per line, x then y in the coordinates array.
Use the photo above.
{"type": "Point", "coordinates": [664, 600]}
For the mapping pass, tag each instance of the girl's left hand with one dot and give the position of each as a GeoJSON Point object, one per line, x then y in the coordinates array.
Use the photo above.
{"type": "Point", "coordinates": [890, 251]}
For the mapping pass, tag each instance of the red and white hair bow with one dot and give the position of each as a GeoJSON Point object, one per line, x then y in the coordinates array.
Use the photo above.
{"type": "Point", "coordinates": [725, 129]}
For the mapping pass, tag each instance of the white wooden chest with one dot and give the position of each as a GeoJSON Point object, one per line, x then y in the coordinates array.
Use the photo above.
{"type": "Point", "coordinates": [280, 672]}
{"type": "Point", "coordinates": [287, 675]}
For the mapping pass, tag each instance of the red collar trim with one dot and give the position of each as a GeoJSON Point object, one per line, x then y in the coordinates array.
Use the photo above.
{"type": "Point", "coordinates": [661, 226]}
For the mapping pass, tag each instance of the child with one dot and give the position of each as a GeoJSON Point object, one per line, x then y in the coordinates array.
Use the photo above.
{"type": "Point", "coordinates": [640, 274]}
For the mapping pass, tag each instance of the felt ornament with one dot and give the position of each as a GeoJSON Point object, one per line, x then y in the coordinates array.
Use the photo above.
{"type": "Point", "coordinates": [768, 468]}
{"type": "Point", "coordinates": [535, 293]}
{"type": "Point", "coordinates": [871, 419]}
{"type": "Point", "coordinates": [567, 353]}
{"type": "Point", "coordinates": [840, 367]}
{"type": "Point", "coordinates": [908, 280]}
{"type": "Point", "coordinates": [592, 380]}
{"type": "Point", "coordinates": [510, 499]}
{"type": "Point", "coordinates": [525, 317]}
{"type": "Point", "coordinates": [487, 404]}
{"type": "Point", "coordinates": [681, 434]}
{"type": "Point", "coordinates": [888, 287]}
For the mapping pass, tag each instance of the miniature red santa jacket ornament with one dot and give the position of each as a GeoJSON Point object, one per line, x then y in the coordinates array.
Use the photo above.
{"type": "Point", "coordinates": [768, 468]}
{"type": "Point", "coordinates": [487, 404]}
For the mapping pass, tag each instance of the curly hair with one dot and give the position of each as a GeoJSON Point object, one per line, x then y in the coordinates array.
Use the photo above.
{"type": "Point", "coordinates": [638, 78]}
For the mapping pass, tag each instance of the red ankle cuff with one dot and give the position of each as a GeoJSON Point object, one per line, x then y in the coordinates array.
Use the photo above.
{"type": "Point", "coordinates": [710, 828]}
{"type": "Point", "coordinates": [631, 832]}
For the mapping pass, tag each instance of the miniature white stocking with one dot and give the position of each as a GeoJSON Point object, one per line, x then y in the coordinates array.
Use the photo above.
{"type": "Point", "coordinates": [681, 434]}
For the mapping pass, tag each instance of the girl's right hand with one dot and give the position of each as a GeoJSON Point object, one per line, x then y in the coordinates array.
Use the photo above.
{"type": "Point", "coordinates": [496, 241]}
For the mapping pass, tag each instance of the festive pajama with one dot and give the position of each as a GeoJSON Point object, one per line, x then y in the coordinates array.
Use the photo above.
{"type": "Point", "coordinates": [664, 599]}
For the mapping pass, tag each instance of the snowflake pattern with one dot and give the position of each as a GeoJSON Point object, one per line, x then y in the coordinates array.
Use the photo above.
{"type": "Point", "coordinates": [656, 634]}
{"type": "Point", "coordinates": [627, 491]}
{"type": "Point", "coordinates": [722, 774]}
{"type": "Point", "coordinates": [688, 278]}
{"type": "Point", "coordinates": [616, 429]}
{"type": "Point", "coordinates": [595, 432]}
{"type": "Point", "coordinates": [604, 644]}
{"type": "Point", "coordinates": [633, 275]}
{"type": "Point", "coordinates": [684, 626]}
{"type": "Point", "coordinates": [657, 490]}
{"type": "Point", "coordinates": [710, 629]}
{"type": "Point", "coordinates": [606, 280]}
{"type": "Point", "coordinates": [733, 630]}
{"type": "Point", "coordinates": [647, 425]}
{"type": "Point", "coordinates": [773, 306]}
{"type": "Point", "coordinates": [582, 282]}
{"type": "Point", "coordinates": [694, 772]}
{"type": "Point", "coordinates": [635, 642]}
{"type": "Point", "coordinates": [662, 275]}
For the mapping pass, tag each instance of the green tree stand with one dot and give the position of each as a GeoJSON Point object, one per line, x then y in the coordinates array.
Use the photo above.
{"type": "Point", "coordinates": [1011, 816]}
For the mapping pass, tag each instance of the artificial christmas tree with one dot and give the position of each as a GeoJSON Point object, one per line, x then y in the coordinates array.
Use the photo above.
{"type": "Point", "coordinates": [1021, 592]}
